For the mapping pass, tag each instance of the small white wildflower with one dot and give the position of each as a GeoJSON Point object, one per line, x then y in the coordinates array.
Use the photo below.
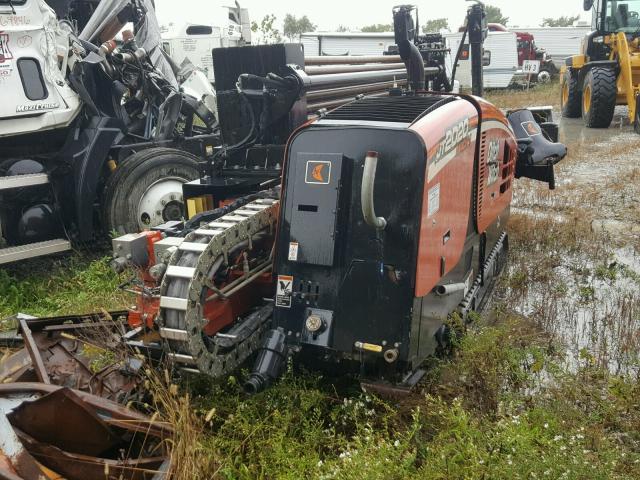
{"type": "Point", "coordinates": [557, 438]}
{"type": "Point", "coordinates": [563, 448]}
{"type": "Point", "coordinates": [320, 463]}
{"type": "Point", "coordinates": [546, 425]}
{"type": "Point", "coordinates": [396, 443]}
{"type": "Point", "coordinates": [579, 436]}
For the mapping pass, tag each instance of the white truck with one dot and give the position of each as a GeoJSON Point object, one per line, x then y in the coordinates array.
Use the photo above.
{"type": "Point", "coordinates": [230, 26]}
{"type": "Point", "coordinates": [96, 135]}
{"type": "Point", "coordinates": [501, 59]}
{"type": "Point", "coordinates": [346, 43]}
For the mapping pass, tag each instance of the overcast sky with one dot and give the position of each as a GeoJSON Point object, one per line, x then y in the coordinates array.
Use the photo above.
{"type": "Point", "coordinates": [329, 14]}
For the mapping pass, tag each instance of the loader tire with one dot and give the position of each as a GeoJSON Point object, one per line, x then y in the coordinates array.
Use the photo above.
{"type": "Point", "coordinates": [571, 96]}
{"type": "Point", "coordinates": [599, 97]}
{"type": "Point", "coordinates": [636, 120]}
{"type": "Point", "coordinates": [146, 190]}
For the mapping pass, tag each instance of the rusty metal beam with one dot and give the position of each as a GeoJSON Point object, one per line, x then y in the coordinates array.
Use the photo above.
{"type": "Point", "coordinates": [34, 353]}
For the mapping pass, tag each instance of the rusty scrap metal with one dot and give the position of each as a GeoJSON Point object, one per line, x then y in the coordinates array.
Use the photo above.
{"type": "Point", "coordinates": [60, 354]}
{"type": "Point", "coordinates": [100, 438]}
{"type": "Point", "coordinates": [61, 418]}
{"type": "Point", "coordinates": [34, 353]}
{"type": "Point", "coordinates": [15, 461]}
{"type": "Point", "coordinates": [17, 367]}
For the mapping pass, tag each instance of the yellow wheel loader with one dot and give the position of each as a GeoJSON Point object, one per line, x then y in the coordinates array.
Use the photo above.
{"type": "Point", "coordinates": [607, 71]}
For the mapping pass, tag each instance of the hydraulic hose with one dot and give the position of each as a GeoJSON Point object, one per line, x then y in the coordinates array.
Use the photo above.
{"type": "Point", "coordinates": [458, 53]}
{"type": "Point", "coordinates": [366, 192]}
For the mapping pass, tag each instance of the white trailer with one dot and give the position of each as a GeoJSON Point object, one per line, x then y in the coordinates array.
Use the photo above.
{"type": "Point", "coordinates": [559, 42]}
{"type": "Point", "coordinates": [501, 59]}
{"type": "Point", "coordinates": [194, 41]}
{"type": "Point", "coordinates": [346, 43]}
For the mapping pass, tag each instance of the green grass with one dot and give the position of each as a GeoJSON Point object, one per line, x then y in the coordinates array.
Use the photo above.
{"type": "Point", "coordinates": [475, 417]}
{"type": "Point", "coordinates": [71, 284]}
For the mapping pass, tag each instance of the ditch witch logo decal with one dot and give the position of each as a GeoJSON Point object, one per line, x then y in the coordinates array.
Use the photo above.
{"type": "Point", "coordinates": [531, 128]}
{"type": "Point", "coordinates": [318, 172]}
{"type": "Point", "coordinates": [5, 53]}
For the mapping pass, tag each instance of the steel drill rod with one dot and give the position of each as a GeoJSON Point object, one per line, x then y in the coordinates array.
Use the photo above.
{"type": "Point", "coordinates": [353, 90]}
{"type": "Point", "coordinates": [365, 67]}
{"type": "Point", "coordinates": [317, 82]}
{"type": "Point", "coordinates": [351, 59]}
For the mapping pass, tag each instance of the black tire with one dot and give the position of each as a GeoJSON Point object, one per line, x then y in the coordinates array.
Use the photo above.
{"type": "Point", "coordinates": [636, 122]}
{"type": "Point", "coordinates": [571, 96]}
{"type": "Point", "coordinates": [599, 97]}
{"type": "Point", "coordinates": [134, 176]}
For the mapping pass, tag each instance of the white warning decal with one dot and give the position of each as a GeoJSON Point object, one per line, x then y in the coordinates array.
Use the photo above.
{"type": "Point", "coordinates": [434, 200]}
{"type": "Point", "coordinates": [293, 251]}
{"type": "Point", "coordinates": [284, 291]}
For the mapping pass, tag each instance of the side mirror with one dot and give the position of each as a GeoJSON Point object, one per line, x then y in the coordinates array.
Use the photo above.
{"type": "Point", "coordinates": [588, 5]}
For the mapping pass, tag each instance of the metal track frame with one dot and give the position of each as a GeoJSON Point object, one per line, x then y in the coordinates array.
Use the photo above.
{"type": "Point", "coordinates": [214, 240]}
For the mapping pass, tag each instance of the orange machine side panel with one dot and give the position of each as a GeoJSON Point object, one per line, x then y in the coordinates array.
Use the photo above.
{"type": "Point", "coordinates": [496, 168]}
{"type": "Point", "coordinates": [450, 133]}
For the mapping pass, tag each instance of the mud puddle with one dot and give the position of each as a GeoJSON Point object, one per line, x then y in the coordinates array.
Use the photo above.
{"type": "Point", "coordinates": [575, 264]}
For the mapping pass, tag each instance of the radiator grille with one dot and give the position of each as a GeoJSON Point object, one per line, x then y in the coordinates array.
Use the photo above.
{"type": "Point", "coordinates": [389, 109]}
{"type": "Point", "coordinates": [482, 175]}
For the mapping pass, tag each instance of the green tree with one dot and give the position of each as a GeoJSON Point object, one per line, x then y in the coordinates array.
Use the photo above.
{"type": "Point", "coordinates": [563, 21]}
{"type": "Point", "coordinates": [293, 27]}
{"type": "Point", "coordinates": [268, 33]}
{"type": "Point", "coordinates": [343, 28]}
{"type": "Point", "coordinates": [377, 28]}
{"type": "Point", "coordinates": [435, 25]}
{"type": "Point", "coordinates": [494, 15]}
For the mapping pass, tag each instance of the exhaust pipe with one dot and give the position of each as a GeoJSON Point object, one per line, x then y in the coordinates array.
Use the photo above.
{"type": "Point", "coordinates": [405, 33]}
{"type": "Point", "coordinates": [270, 362]}
{"type": "Point", "coordinates": [443, 290]}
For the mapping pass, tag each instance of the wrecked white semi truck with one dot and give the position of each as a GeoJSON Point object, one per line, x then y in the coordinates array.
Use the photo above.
{"type": "Point", "coordinates": [96, 132]}
{"type": "Point", "coordinates": [227, 25]}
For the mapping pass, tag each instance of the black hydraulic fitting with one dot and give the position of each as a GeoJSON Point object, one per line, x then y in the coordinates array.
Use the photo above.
{"type": "Point", "coordinates": [270, 362]}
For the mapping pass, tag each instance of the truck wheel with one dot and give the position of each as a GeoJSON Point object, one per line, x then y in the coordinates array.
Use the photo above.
{"type": "Point", "coordinates": [146, 190]}
{"type": "Point", "coordinates": [544, 77]}
{"type": "Point", "coordinates": [571, 98]}
{"type": "Point", "coordinates": [599, 97]}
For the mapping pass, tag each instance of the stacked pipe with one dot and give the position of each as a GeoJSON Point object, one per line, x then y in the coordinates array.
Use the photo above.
{"type": "Point", "coordinates": [334, 81]}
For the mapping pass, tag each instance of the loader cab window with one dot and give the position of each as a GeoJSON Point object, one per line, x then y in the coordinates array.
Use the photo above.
{"type": "Point", "coordinates": [14, 2]}
{"type": "Point", "coordinates": [622, 16]}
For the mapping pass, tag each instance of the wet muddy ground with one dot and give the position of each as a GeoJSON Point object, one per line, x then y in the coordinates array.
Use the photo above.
{"type": "Point", "coordinates": [575, 251]}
